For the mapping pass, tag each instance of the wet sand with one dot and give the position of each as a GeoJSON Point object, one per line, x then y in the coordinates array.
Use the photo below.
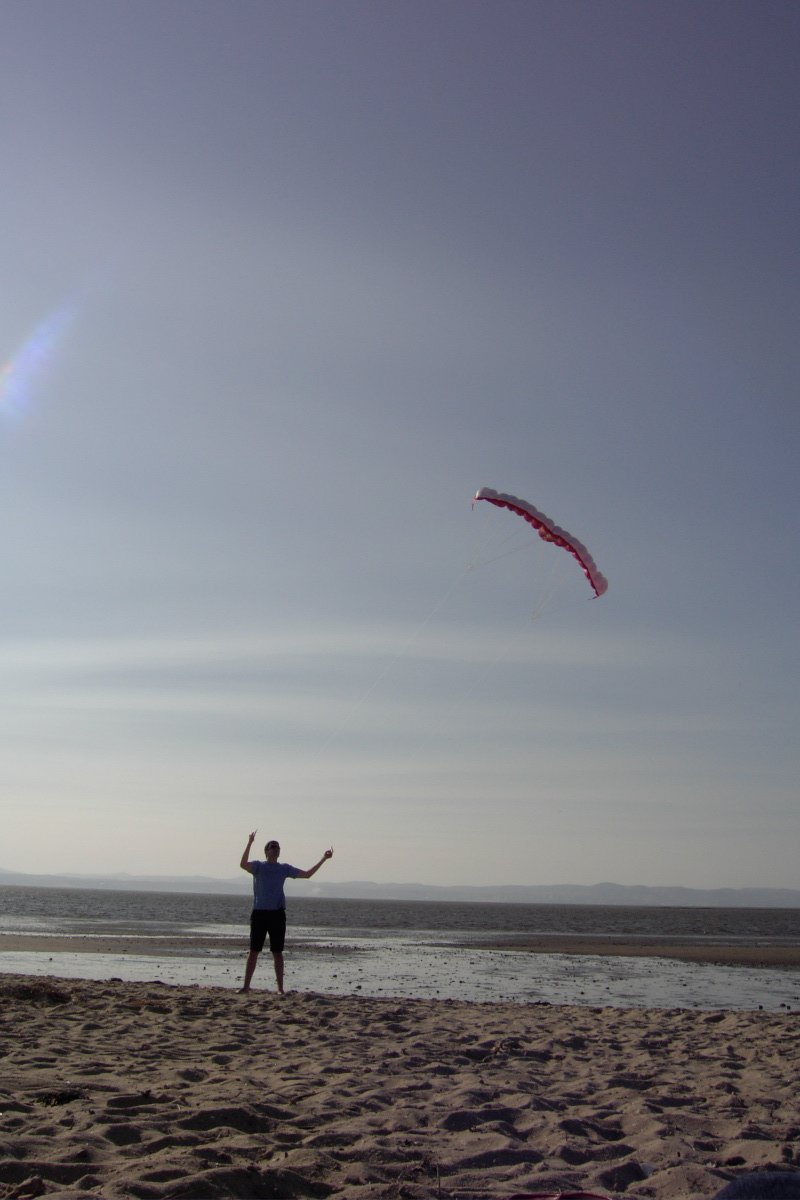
{"type": "Point", "coordinates": [111, 944]}
{"type": "Point", "coordinates": [139, 1089]}
{"type": "Point", "coordinates": [720, 952]}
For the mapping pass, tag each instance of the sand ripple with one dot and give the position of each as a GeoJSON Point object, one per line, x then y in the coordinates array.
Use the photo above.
{"type": "Point", "coordinates": [156, 1092]}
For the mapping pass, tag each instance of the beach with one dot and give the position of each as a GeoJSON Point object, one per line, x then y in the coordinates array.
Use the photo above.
{"type": "Point", "coordinates": [622, 971]}
{"type": "Point", "coordinates": [120, 1089]}
{"type": "Point", "coordinates": [718, 952]}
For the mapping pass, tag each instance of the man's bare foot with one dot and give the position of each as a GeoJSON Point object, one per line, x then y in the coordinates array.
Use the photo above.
{"type": "Point", "coordinates": [242, 990]}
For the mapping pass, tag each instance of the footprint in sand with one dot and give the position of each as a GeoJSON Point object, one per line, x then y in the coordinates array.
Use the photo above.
{"type": "Point", "coordinates": [123, 1134]}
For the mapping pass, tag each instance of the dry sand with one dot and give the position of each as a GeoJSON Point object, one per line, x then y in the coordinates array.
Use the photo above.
{"type": "Point", "coordinates": [144, 1090]}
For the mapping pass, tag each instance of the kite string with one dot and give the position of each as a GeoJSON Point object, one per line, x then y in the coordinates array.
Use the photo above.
{"type": "Point", "coordinates": [552, 596]}
{"type": "Point", "coordinates": [390, 663]}
{"type": "Point", "coordinates": [515, 543]}
{"type": "Point", "coordinates": [550, 590]}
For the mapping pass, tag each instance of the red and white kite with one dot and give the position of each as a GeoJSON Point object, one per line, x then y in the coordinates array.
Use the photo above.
{"type": "Point", "coordinates": [550, 532]}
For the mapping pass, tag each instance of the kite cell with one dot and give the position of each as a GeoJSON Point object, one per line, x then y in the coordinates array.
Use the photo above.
{"type": "Point", "coordinates": [549, 531]}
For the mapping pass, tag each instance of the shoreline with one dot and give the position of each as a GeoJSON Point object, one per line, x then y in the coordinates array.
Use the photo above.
{"type": "Point", "coordinates": [717, 952]}
{"type": "Point", "coordinates": [120, 1089]}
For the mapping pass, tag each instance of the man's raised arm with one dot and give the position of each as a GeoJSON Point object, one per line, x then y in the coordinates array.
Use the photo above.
{"type": "Point", "coordinates": [313, 870]}
{"type": "Point", "coordinates": [244, 864]}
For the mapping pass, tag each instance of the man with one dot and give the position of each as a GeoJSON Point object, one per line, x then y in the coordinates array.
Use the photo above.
{"type": "Point", "coordinates": [268, 917]}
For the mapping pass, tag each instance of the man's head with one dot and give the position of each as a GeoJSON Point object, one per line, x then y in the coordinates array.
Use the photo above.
{"type": "Point", "coordinates": [272, 850]}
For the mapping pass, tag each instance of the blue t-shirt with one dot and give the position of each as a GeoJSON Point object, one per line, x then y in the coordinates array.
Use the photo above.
{"type": "Point", "coordinates": [268, 883]}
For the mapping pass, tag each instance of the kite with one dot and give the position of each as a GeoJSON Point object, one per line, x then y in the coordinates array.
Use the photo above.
{"type": "Point", "coordinates": [549, 531]}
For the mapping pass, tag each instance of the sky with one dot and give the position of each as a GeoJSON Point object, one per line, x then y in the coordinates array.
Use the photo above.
{"type": "Point", "coordinates": [283, 283]}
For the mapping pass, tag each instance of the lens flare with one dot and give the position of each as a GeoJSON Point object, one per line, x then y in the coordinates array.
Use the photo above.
{"type": "Point", "coordinates": [24, 371]}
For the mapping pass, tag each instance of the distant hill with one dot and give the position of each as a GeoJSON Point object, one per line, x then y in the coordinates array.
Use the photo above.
{"type": "Point", "coordinates": [562, 893]}
{"type": "Point", "coordinates": [574, 893]}
{"type": "Point", "coordinates": [123, 882]}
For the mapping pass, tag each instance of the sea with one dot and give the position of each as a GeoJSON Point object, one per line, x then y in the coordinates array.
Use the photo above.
{"type": "Point", "coordinates": [441, 950]}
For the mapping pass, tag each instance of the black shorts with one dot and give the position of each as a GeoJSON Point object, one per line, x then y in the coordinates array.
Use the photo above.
{"type": "Point", "coordinates": [270, 921]}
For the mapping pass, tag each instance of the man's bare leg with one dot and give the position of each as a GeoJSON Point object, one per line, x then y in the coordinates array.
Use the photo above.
{"type": "Point", "coordinates": [250, 967]}
{"type": "Point", "coordinates": [277, 959]}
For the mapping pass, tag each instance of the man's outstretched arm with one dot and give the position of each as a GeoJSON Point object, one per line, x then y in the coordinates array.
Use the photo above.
{"type": "Point", "coordinates": [244, 864]}
{"type": "Point", "coordinates": [313, 870]}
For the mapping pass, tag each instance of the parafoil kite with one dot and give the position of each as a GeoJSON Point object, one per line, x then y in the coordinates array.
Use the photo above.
{"type": "Point", "coordinates": [549, 531]}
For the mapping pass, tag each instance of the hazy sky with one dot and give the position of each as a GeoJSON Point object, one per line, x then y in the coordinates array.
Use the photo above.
{"type": "Point", "coordinates": [282, 284]}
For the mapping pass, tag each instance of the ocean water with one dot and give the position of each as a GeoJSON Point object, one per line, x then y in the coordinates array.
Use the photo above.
{"type": "Point", "coordinates": [407, 949]}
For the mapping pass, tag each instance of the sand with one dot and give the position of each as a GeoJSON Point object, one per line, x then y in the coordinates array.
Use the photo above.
{"type": "Point", "coordinates": [145, 1090]}
{"type": "Point", "coordinates": [722, 953]}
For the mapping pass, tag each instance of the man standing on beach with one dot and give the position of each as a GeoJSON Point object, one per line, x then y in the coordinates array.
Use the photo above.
{"type": "Point", "coordinates": [269, 905]}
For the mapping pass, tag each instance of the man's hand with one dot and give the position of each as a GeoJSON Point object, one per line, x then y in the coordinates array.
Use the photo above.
{"type": "Point", "coordinates": [313, 870]}
{"type": "Point", "coordinates": [244, 863]}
